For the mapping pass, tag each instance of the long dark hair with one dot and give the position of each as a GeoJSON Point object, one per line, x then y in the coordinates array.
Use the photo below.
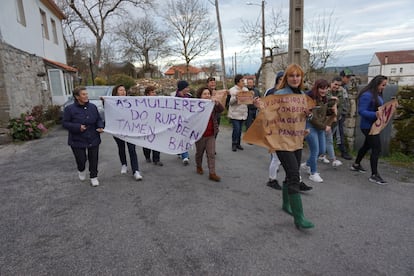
{"type": "Point", "coordinates": [372, 87]}
{"type": "Point", "coordinates": [314, 94]}
{"type": "Point", "coordinates": [115, 89]}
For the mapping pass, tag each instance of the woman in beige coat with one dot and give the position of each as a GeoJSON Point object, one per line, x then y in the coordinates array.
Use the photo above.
{"type": "Point", "coordinates": [237, 112]}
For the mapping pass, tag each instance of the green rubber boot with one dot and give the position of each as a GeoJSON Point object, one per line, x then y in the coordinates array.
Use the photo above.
{"type": "Point", "coordinates": [297, 210]}
{"type": "Point", "coordinates": [285, 197]}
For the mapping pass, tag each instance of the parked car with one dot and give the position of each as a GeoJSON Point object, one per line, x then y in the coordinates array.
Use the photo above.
{"type": "Point", "coordinates": [94, 94]}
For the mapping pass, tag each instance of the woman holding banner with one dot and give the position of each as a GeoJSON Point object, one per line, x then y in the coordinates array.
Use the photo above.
{"type": "Point", "coordinates": [369, 99]}
{"type": "Point", "coordinates": [292, 83]}
{"type": "Point", "coordinates": [120, 90]}
{"type": "Point", "coordinates": [207, 143]}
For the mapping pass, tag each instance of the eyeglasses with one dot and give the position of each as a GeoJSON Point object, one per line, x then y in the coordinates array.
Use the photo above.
{"type": "Point", "coordinates": [211, 79]}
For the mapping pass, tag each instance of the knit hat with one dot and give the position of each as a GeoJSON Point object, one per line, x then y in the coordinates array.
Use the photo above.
{"type": "Point", "coordinates": [279, 75]}
{"type": "Point", "coordinates": [181, 85]}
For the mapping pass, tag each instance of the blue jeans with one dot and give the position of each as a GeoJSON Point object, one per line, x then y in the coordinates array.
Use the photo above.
{"type": "Point", "coordinates": [317, 145]}
{"type": "Point", "coordinates": [184, 155]}
{"type": "Point", "coordinates": [237, 130]}
{"type": "Point", "coordinates": [329, 145]}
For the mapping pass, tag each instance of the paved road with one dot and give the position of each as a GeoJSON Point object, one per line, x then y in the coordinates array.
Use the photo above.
{"type": "Point", "coordinates": [176, 222]}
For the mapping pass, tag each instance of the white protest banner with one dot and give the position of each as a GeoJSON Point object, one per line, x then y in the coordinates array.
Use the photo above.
{"type": "Point", "coordinates": [385, 112]}
{"type": "Point", "coordinates": [167, 124]}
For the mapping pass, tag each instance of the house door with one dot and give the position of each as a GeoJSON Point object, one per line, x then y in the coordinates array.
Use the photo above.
{"type": "Point", "coordinates": [57, 86]}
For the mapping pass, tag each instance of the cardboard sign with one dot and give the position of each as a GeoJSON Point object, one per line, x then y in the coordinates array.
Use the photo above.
{"type": "Point", "coordinates": [220, 95]}
{"type": "Point", "coordinates": [385, 112]}
{"type": "Point", "coordinates": [280, 125]}
{"type": "Point", "coordinates": [245, 97]}
{"type": "Point", "coordinates": [168, 124]}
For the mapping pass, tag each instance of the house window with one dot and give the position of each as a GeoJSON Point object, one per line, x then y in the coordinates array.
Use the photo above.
{"type": "Point", "coordinates": [44, 24]}
{"type": "Point", "coordinates": [401, 69]}
{"type": "Point", "coordinates": [393, 70]}
{"type": "Point", "coordinates": [54, 31]}
{"type": "Point", "coordinates": [21, 18]}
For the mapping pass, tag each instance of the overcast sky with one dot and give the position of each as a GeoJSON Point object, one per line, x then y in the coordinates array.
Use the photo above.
{"type": "Point", "coordinates": [368, 26]}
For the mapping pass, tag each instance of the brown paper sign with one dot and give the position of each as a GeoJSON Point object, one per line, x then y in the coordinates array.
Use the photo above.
{"type": "Point", "coordinates": [281, 124]}
{"type": "Point", "coordinates": [386, 111]}
{"type": "Point", "coordinates": [245, 97]}
{"type": "Point", "coordinates": [220, 95]}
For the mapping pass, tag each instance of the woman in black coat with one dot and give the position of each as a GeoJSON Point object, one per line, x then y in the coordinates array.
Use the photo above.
{"type": "Point", "coordinates": [84, 124]}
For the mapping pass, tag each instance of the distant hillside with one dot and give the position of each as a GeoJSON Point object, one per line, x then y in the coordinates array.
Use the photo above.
{"type": "Point", "coordinates": [360, 70]}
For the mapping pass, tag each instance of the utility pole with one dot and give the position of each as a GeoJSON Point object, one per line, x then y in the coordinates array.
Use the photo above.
{"type": "Point", "coordinates": [295, 48]}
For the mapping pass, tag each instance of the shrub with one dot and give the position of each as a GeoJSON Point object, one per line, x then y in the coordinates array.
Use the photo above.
{"type": "Point", "coordinates": [123, 79]}
{"type": "Point", "coordinates": [100, 81]}
{"type": "Point", "coordinates": [52, 113]}
{"type": "Point", "coordinates": [26, 128]}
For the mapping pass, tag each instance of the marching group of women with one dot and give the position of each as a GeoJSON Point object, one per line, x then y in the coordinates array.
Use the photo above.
{"type": "Point", "coordinates": [84, 125]}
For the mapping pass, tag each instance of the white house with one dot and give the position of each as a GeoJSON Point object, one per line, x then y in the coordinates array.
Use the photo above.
{"type": "Point", "coordinates": [398, 66]}
{"type": "Point", "coordinates": [33, 68]}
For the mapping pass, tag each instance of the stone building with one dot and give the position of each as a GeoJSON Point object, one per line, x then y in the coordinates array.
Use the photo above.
{"type": "Point", "coordinates": [33, 68]}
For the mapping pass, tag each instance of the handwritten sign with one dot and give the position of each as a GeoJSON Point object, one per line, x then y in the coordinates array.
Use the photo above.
{"type": "Point", "coordinates": [280, 125]}
{"type": "Point", "coordinates": [385, 112]}
{"type": "Point", "coordinates": [168, 124]}
{"type": "Point", "coordinates": [245, 97]}
{"type": "Point", "coordinates": [220, 95]}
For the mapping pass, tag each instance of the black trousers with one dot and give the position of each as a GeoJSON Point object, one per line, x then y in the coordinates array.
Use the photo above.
{"type": "Point", "coordinates": [373, 143]}
{"type": "Point", "coordinates": [155, 154]}
{"type": "Point", "coordinates": [81, 158]}
{"type": "Point", "coordinates": [290, 161]}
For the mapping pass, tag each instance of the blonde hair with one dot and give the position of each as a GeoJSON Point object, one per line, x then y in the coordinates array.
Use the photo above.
{"type": "Point", "coordinates": [292, 69]}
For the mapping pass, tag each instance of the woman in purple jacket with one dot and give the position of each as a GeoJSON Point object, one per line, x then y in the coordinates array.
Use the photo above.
{"type": "Point", "coordinates": [84, 124]}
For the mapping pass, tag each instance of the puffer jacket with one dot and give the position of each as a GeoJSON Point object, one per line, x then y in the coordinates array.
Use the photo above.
{"type": "Point", "coordinates": [76, 115]}
{"type": "Point", "coordinates": [236, 111]}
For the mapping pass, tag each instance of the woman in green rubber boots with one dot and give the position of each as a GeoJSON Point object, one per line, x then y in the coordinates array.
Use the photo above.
{"type": "Point", "coordinates": [292, 83]}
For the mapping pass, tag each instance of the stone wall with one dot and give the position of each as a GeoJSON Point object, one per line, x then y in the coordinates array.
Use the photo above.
{"type": "Point", "coordinates": [20, 85]}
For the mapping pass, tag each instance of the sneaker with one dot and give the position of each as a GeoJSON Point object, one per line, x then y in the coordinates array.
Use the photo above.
{"type": "Point", "coordinates": [305, 167]}
{"type": "Point", "coordinates": [376, 178]}
{"type": "Point", "coordinates": [82, 175]}
{"type": "Point", "coordinates": [336, 163]}
{"type": "Point", "coordinates": [186, 161]}
{"type": "Point", "coordinates": [124, 169]}
{"type": "Point", "coordinates": [94, 182]}
{"type": "Point", "coordinates": [273, 183]}
{"type": "Point", "coordinates": [137, 176]}
{"type": "Point", "coordinates": [358, 168]}
{"type": "Point", "coordinates": [323, 159]}
{"type": "Point", "coordinates": [315, 178]}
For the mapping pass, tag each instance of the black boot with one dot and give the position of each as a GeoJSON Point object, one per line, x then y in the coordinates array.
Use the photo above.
{"type": "Point", "coordinates": [234, 147]}
{"type": "Point", "coordinates": [303, 187]}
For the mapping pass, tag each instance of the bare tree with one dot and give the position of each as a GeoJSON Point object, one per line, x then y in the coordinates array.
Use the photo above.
{"type": "Point", "coordinates": [96, 15]}
{"type": "Point", "coordinates": [142, 40]}
{"type": "Point", "coordinates": [276, 31]}
{"type": "Point", "coordinates": [190, 28]}
{"type": "Point", "coordinates": [324, 40]}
